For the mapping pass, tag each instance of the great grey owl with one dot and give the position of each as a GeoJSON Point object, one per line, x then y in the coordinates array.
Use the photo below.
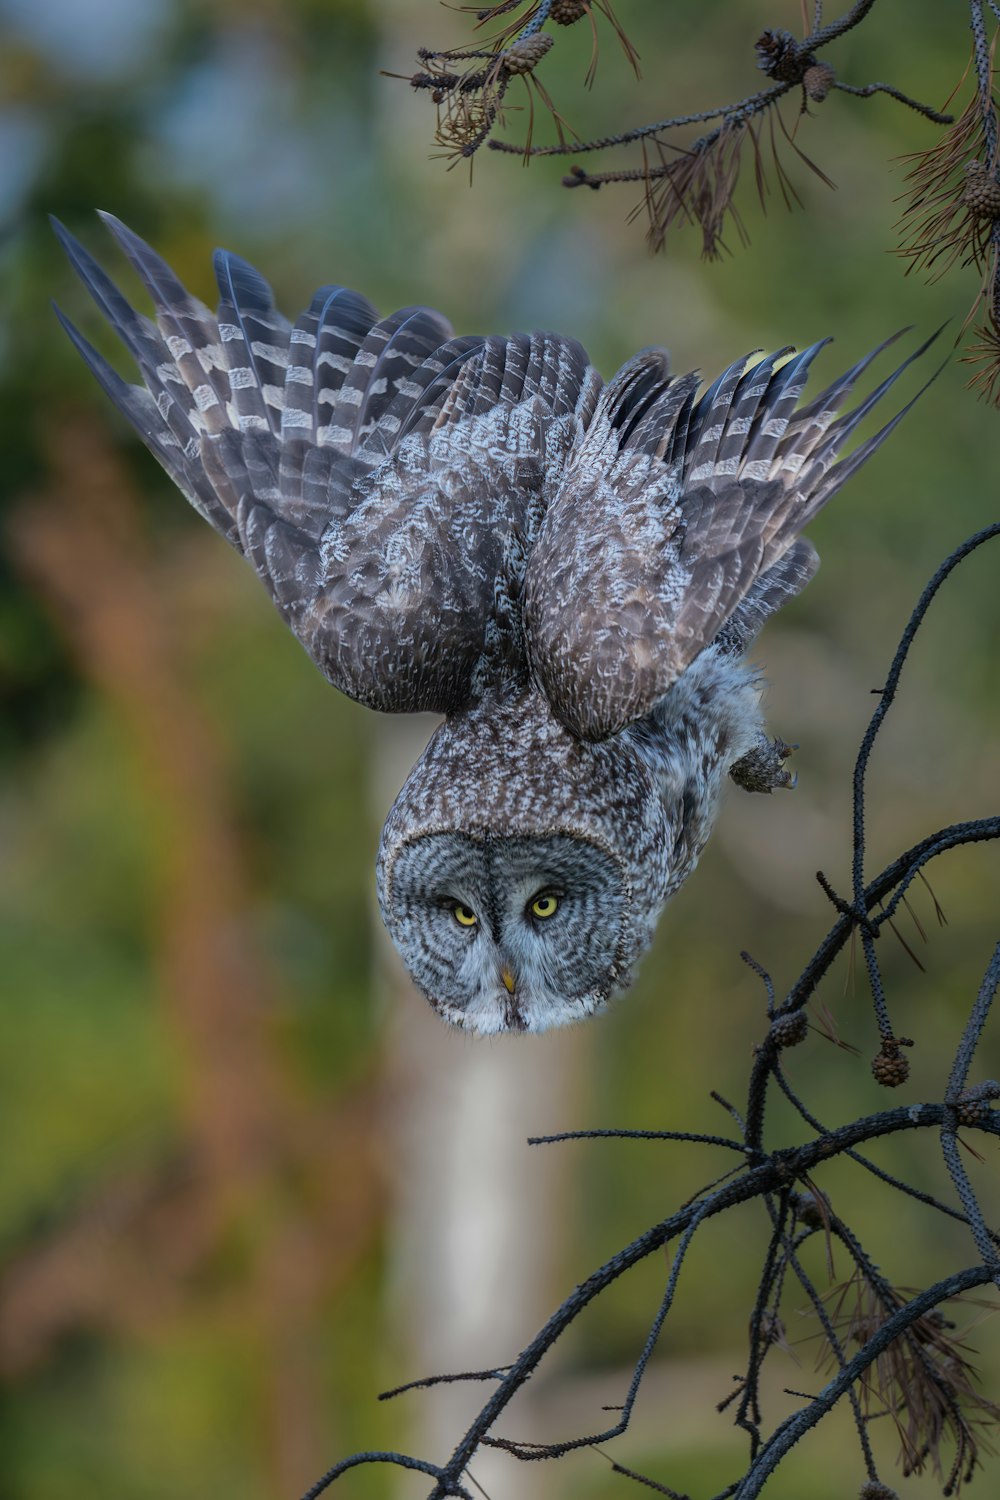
{"type": "Point", "coordinates": [570, 572]}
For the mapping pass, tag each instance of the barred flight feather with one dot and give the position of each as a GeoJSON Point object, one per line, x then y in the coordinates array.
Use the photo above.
{"type": "Point", "coordinates": [393, 481]}
{"type": "Point", "coordinates": [748, 475]}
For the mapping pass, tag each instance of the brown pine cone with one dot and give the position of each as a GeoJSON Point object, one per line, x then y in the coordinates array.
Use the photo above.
{"type": "Point", "coordinates": [778, 56]}
{"type": "Point", "coordinates": [524, 55]}
{"type": "Point", "coordinates": [981, 194]}
{"type": "Point", "coordinates": [790, 1030]}
{"type": "Point", "coordinates": [818, 81]}
{"type": "Point", "coordinates": [873, 1490]}
{"type": "Point", "coordinates": [973, 1106]}
{"type": "Point", "coordinates": [810, 1211]}
{"type": "Point", "coordinates": [890, 1067]}
{"type": "Point", "coordinates": [565, 12]}
{"type": "Point", "coordinates": [973, 1111]}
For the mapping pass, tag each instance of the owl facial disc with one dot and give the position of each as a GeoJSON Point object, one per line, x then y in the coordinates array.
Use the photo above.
{"type": "Point", "coordinates": [508, 933]}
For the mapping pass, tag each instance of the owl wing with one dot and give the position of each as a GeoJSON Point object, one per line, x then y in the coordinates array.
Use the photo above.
{"type": "Point", "coordinates": [676, 520]}
{"type": "Point", "coordinates": [381, 475]}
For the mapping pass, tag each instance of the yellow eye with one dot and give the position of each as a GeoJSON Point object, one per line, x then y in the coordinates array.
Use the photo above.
{"type": "Point", "coordinates": [544, 906]}
{"type": "Point", "coordinates": [463, 916]}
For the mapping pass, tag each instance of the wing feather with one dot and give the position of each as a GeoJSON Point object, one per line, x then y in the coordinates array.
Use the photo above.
{"type": "Point", "coordinates": [383, 477]}
{"type": "Point", "coordinates": [189, 332]}
{"type": "Point", "coordinates": [388, 479]}
{"type": "Point", "coordinates": [677, 520]}
{"type": "Point", "coordinates": [773, 588]}
{"type": "Point", "coordinates": [165, 430]}
{"type": "Point", "coordinates": [255, 341]}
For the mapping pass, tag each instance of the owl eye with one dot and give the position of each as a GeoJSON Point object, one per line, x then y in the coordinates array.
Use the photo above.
{"type": "Point", "coordinates": [463, 915]}
{"type": "Point", "coordinates": [544, 905]}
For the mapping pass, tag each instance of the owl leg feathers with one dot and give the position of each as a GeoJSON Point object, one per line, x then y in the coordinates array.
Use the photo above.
{"type": "Point", "coordinates": [763, 768]}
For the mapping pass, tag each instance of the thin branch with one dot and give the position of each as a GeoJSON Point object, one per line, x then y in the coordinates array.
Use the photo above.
{"type": "Point", "coordinates": [446, 1486]}
{"type": "Point", "coordinates": [637, 1135]}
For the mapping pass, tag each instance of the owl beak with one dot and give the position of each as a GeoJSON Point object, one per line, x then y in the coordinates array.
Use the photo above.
{"type": "Point", "coordinates": [508, 980]}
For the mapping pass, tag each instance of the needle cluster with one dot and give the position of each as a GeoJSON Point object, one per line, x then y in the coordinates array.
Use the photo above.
{"type": "Point", "coordinates": [951, 205]}
{"type": "Point", "coordinates": [684, 180]}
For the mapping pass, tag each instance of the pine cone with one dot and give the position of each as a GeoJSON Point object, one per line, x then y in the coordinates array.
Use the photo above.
{"type": "Point", "coordinates": [981, 194]}
{"type": "Point", "coordinates": [874, 1490]}
{"type": "Point", "coordinates": [565, 12]}
{"type": "Point", "coordinates": [809, 1210]}
{"type": "Point", "coordinates": [973, 1111]}
{"type": "Point", "coordinates": [890, 1067]}
{"type": "Point", "coordinates": [524, 55]}
{"type": "Point", "coordinates": [973, 1106]}
{"type": "Point", "coordinates": [818, 81]}
{"type": "Point", "coordinates": [790, 1030]}
{"type": "Point", "coordinates": [779, 56]}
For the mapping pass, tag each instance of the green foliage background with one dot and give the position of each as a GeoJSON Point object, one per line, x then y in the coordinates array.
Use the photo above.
{"type": "Point", "coordinates": [192, 1202]}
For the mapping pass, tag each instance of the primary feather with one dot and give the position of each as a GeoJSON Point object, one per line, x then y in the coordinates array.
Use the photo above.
{"type": "Point", "coordinates": [672, 515]}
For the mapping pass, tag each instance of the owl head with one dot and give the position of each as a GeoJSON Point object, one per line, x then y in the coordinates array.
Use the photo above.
{"type": "Point", "coordinates": [521, 870]}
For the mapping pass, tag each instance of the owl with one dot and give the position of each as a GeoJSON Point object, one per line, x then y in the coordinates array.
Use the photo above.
{"type": "Point", "coordinates": [569, 572]}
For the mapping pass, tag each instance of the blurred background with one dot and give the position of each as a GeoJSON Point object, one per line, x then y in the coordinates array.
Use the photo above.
{"type": "Point", "coordinates": [248, 1179]}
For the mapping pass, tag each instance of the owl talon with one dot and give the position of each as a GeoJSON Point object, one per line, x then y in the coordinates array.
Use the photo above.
{"type": "Point", "coordinates": [762, 768]}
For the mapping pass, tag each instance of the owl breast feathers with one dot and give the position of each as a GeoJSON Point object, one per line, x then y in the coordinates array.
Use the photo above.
{"type": "Point", "coordinates": [569, 571]}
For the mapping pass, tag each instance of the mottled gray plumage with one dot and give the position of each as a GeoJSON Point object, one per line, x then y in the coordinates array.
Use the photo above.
{"type": "Point", "coordinates": [571, 573]}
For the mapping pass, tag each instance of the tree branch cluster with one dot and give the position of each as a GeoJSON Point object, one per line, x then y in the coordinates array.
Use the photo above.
{"type": "Point", "coordinates": [951, 213]}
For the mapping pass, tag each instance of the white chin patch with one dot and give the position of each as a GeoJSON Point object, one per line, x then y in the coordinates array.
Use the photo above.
{"type": "Point", "coordinates": [496, 1011]}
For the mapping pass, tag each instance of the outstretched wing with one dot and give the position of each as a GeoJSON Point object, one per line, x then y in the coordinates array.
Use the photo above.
{"type": "Point", "coordinates": [379, 474]}
{"type": "Point", "coordinates": [678, 518]}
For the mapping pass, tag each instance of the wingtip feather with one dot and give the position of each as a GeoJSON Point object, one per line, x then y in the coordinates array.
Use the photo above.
{"type": "Point", "coordinates": [105, 373]}
{"type": "Point", "coordinates": [159, 278]}
{"type": "Point", "coordinates": [241, 283]}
